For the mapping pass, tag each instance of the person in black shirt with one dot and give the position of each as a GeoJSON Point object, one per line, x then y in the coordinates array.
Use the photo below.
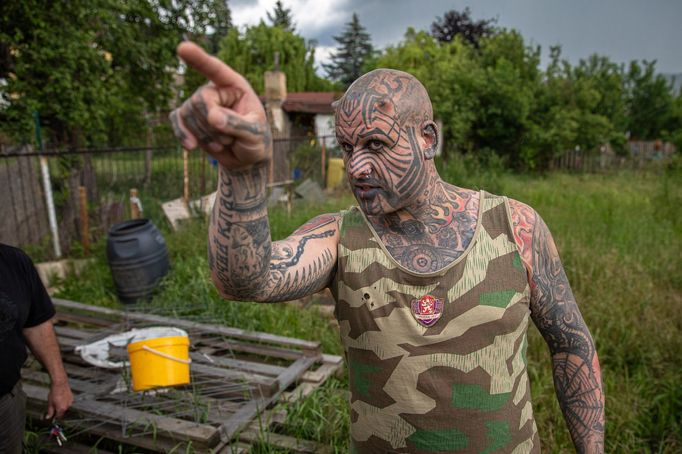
{"type": "Point", "coordinates": [26, 313]}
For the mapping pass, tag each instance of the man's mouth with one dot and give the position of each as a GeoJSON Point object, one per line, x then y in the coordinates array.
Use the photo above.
{"type": "Point", "coordinates": [366, 189]}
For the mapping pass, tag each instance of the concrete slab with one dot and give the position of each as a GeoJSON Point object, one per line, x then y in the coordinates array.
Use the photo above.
{"type": "Point", "coordinates": [50, 272]}
{"type": "Point", "coordinates": [176, 210]}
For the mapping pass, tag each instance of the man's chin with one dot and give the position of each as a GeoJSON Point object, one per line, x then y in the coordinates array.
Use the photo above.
{"type": "Point", "coordinates": [372, 207]}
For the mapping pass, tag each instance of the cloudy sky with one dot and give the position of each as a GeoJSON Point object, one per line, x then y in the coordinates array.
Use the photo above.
{"type": "Point", "coordinates": [624, 30]}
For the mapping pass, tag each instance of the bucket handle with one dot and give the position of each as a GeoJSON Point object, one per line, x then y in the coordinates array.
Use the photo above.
{"type": "Point", "coordinates": [156, 352]}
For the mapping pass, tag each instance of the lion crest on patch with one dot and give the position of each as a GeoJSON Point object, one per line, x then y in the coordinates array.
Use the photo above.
{"type": "Point", "coordinates": [427, 310]}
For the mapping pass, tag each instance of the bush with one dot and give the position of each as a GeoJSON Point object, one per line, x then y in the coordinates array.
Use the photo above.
{"type": "Point", "coordinates": [482, 170]}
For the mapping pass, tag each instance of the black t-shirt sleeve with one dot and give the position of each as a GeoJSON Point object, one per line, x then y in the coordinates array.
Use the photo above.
{"type": "Point", "coordinates": [41, 308]}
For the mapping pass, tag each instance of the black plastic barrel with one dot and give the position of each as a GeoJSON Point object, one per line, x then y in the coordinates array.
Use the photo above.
{"type": "Point", "coordinates": [138, 259]}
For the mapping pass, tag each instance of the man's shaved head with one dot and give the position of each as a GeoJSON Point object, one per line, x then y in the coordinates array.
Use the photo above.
{"type": "Point", "coordinates": [394, 92]}
{"type": "Point", "coordinates": [384, 125]}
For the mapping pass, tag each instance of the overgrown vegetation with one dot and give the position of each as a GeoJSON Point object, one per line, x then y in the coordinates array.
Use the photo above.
{"type": "Point", "coordinates": [495, 97]}
{"type": "Point", "coordinates": [98, 74]}
{"type": "Point", "coordinates": [619, 237]}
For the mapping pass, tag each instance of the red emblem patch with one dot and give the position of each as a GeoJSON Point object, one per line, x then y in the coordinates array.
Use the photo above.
{"type": "Point", "coordinates": [427, 310]}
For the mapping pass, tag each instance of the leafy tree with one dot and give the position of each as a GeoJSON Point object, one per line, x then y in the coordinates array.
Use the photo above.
{"type": "Point", "coordinates": [93, 69]}
{"type": "Point", "coordinates": [650, 101]}
{"type": "Point", "coordinates": [455, 23]}
{"type": "Point", "coordinates": [49, 69]}
{"type": "Point", "coordinates": [253, 52]}
{"type": "Point", "coordinates": [579, 106]}
{"type": "Point", "coordinates": [220, 20]}
{"type": "Point", "coordinates": [450, 75]}
{"type": "Point", "coordinates": [354, 51]}
{"type": "Point", "coordinates": [281, 17]}
{"type": "Point", "coordinates": [675, 123]}
{"type": "Point", "coordinates": [510, 81]}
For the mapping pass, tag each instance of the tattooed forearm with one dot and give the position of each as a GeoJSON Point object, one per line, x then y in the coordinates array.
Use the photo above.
{"type": "Point", "coordinates": [577, 378]}
{"type": "Point", "coordinates": [579, 388]}
{"type": "Point", "coordinates": [239, 244]}
{"type": "Point", "coordinates": [245, 264]}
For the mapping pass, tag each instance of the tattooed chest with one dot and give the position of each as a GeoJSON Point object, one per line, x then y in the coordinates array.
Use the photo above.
{"type": "Point", "coordinates": [427, 247]}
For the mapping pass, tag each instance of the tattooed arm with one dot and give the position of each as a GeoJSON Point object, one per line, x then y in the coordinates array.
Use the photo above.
{"type": "Point", "coordinates": [577, 376]}
{"type": "Point", "coordinates": [226, 119]}
{"type": "Point", "coordinates": [245, 264]}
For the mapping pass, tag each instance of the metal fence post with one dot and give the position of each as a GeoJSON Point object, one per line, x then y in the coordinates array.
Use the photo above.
{"type": "Point", "coordinates": [85, 225]}
{"type": "Point", "coordinates": [50, 206]}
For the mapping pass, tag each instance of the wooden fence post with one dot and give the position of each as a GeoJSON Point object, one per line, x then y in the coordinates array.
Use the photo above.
{"type": "Point", "coordinates": [324, 162]}
{"type": "Point", "coordinates": [202, 184]}
{"type": "Point", "coordinates": [85, 225]}
{"type": "Point", "coordinates": [185, 173]}
{"type": "Point", "coordinates": [135, 205]}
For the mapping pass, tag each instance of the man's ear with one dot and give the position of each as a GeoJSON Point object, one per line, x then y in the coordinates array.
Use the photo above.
{"type": "Point", "coordinates": [429, 132]}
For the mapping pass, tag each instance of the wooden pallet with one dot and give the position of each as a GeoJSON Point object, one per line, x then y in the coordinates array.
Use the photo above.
{"type": "Point", "coordinates": [236, 377]}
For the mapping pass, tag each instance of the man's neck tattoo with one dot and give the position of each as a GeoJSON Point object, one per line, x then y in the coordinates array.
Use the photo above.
{"type": "Point", "coordinates": [431, 237]}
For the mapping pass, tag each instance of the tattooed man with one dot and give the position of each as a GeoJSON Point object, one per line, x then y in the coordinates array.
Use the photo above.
{"type": "Point", "coordinates": [434, 284]}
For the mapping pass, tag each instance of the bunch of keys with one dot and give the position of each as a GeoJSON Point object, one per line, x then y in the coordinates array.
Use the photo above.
{"type": "Point", "coordinates": [57, 433]}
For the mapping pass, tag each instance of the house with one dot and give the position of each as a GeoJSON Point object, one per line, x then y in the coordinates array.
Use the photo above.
{"type": "Point", "coordinates": [295, 118]}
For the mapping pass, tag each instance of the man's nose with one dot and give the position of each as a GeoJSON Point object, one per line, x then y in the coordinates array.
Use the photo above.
{"type": "Point", "coordinates": [359, 169]}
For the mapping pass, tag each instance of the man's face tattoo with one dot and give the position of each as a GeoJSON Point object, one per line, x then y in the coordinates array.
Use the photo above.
{"type": "Point", "coordinates": [377, 126]}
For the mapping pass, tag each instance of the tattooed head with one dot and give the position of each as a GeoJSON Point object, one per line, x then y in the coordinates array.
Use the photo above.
{"type": "Point", "coordinates": [384, 124]}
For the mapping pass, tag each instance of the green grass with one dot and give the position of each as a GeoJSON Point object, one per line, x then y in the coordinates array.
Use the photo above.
{"type": "Point", "coordinates": [620, 238]}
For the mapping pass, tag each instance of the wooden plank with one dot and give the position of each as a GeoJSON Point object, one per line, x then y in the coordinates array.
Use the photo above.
{"type": "Point", "coordinates": [311, 380]}
{"type": "Point", "coordinates": [67, 331]}
{"type": "Point", "coordinates": [310, 348]}
{"type": "Point", "coordinates": [271, 364]}
{"type": "Point", "coordinates": [239, 421]}
{"type": "Point", "coordinates": [260, 431]}
{"type": "Point", "coordinates": [175, 428]}
{"type": "Point", "coordinates": [331, 364]}
{"type": "Point", "coordinates": [262, 350]}
{"type": "Point", "coordinates": [246, 366]}
{"type": "Point", "coordinates": [266, 385]}
{"type": "Point", "coordinates": [218, 409]}
{"type": "Point", "coordinates": [89, 335]}
{"type": "Point", "coordinates": [51, 447]}
{"type": "Point", "coordinates": [294, 372]}
{"type": "Point", "coordinates": [98, 375]}
{"type": "Point", "coordinates": [235, 448]}
{"type": "Point", "coordinates": [285, 442]}
{"type": "Point", "coordinates": [109, 431]}
{"type": "Point", "coordinates": [40, 378]}
{"type": "Point", "coordinates": [152, 442]}
{"type": "Point", "coordinates": [300, 392]}
{"type": "Point", "coordinates": [84, 319]}
{"type": "Point", "coordinates": [241, 418]}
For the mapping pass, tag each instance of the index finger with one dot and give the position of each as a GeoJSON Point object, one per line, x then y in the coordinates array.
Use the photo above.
{"type": "Point", "coordinates": [214, 69]}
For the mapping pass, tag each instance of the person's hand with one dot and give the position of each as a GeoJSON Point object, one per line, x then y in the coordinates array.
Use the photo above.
{"type": "Point", "coordinates": [59, 400]}
{"type": "Point", "coordinates": [225, 117]}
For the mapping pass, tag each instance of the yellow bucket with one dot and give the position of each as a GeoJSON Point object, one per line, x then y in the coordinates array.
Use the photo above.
{"type": "Point", "coordinates": [159, 362]}
{"type": "Point", "coordinates": [335, 172]}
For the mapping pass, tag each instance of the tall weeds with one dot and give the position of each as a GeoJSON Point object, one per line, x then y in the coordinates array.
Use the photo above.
{"type": "Point", "coordinates": [620, 240]}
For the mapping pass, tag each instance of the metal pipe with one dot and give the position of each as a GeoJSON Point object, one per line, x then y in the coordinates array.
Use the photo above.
{"type": "Point", "coordinates": [50, 206]}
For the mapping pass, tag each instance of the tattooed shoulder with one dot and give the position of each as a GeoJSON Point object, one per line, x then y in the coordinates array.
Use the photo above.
{"type": "Point", "coordinates": [323, 220]}
{"type": "Point", "coordinates": [523, 220]}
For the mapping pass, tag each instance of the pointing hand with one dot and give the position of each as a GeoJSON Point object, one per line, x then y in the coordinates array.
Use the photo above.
{"type": "Point", "coordinates": [225, 117]}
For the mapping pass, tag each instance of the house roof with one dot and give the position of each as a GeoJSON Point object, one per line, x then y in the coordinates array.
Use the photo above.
{"type": "Point", "coordinates": [317, 102]}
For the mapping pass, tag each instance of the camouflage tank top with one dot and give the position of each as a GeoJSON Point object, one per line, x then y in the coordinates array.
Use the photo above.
{"type": "Point", "coordinates": [437, 361]}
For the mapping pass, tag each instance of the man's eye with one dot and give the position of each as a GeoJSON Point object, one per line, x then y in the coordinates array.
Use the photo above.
{"type": "Point", "coordinates": [348, 148]}
{"type": "Point", "coordinates": [375, 145]}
